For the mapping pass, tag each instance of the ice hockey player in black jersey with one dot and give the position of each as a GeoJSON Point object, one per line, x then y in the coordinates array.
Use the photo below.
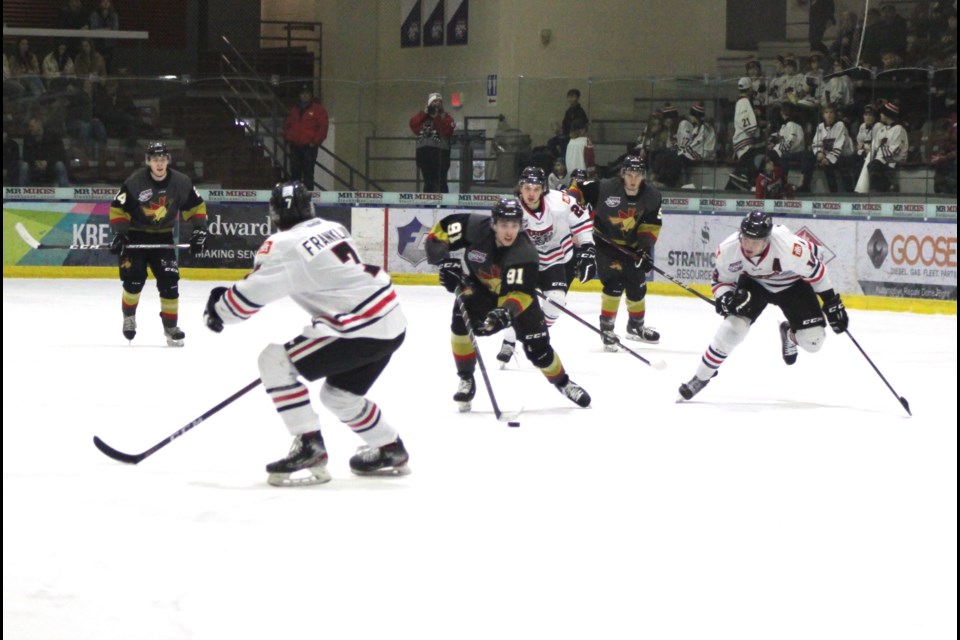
{"type": "Point", "coordinates": [355, 327]}
{"type": "Point", "coordinates": [626, 211]}
{"type": "Point", "coordinates": [145, 211]}
{"type": "Point", "coordinates": [766, 264]}
{"type": "Point", "coordinates": [496, 279]}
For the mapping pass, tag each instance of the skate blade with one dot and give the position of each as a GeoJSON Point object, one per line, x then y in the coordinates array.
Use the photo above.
{"type": "Point", "coordinates": [630, 336]}
{"type": "Point", "coordinates": [464, 407]}
{"type": "Point", "coordinates": [402, 470]}
{"type": "Point", "coordinates": [611, 348]}
{"type": "Point", "coordinates": [174, 343]}
{"type": "Point", "coordinates": [316, 475]}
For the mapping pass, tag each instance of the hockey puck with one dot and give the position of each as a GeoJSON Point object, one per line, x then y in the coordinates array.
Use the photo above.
{"type": "Point", "coordinates": [513, 424]}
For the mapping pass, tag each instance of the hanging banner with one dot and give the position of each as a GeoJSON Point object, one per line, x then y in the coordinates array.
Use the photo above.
{"type": "Point", "coordinates": [433, 23]}
{"type": "Point", "coordinates": [410, 23]}
{"type": "Point", "coordinates": [457, 26]}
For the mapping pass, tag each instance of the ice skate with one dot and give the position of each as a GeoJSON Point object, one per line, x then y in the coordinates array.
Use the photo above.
{"type": "Point", "coordinates": [636, 331]}
{"type": "Point", "coordinates": [506, 352]}
{"type": "Point", "coordinates": [575, 392]}
{"type": "Point", "coordinates": [465, 392]}
{"type": "Point", "coordinates": [388, 460]}
{"type": "Point", "coordinates": [693, 387]}
{"type": "Point", "coordinates": [788, 346]}
{"type": "Point", "coordinates": [308, 453]}
{"type": "Point", "coordinates": [174, 336]}
{"type": "Point", "coordinates": [129, 327]}
{"type": "Point", "coordinates": [609, 337]}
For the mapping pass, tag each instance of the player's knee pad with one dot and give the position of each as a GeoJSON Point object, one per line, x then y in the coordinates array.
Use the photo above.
{"type": "Point", "coordinates": [538, 350]}
{"type": "Point", "coordinates": [275, 367]}
{"type": "Point", "coordinates": [341, 403]}
{"type": "Point", "coordinates": [732, 331]}
{"type": "Point", "coordinates": [555, 298]}
{"type": "Point", "coordinates": [811, 338]}
{"type": "Point", "coordinates": [133, 286]}
{"type": "Point", "coordinates": [613, 289]}
{"type": "Point", "coordinates": [637, 291]}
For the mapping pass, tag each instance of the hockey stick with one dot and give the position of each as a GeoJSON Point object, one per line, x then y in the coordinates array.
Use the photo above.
{"type": "Point", "coordinates": [636, 257]}
{"type": "Point", "coordinates": [35, 244]}
{"type": "Point", "coordinates": [130, 458]}
{"type": "Point", "coordinates": [501, 416]}
{"type": "Point", "coordinates": [656, 364]}
{"type": "Point", "coordinates": [903, 401]}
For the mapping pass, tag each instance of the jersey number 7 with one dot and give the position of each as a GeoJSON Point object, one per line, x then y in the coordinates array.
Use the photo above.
{"type": "Point", "coordinates": [346, 254]}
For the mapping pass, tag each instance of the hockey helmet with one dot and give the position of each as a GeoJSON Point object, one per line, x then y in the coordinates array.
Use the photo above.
{"type": "Point", "coordinates": [156, 148]}
{"type": "Point", "coordinates": [533, 175]}
{"type": "Point", "coordinates": [507, 209]}
{"type": "Point", "coordinates": [633, 163]}
{"type": "Point", "coordinates": [290, 204]}
{"type": "Point", "coordinates": [757, 225]}
{"type": "Point", "coordinates": [578, 175]}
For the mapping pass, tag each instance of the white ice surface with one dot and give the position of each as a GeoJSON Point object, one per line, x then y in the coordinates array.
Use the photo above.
{"type": "Point", "coordinates": [784, 502]}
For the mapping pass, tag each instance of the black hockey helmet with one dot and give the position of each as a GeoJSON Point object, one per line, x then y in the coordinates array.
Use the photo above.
{"type": "Point", "coordinates": [633, 163]}
{"type": "Point", "coordinates": [578, 176]}
{"type": "Point", "coordinates": [757, 225]}
{"type": "Point", "coordinates": [156, 148]}
{"type": "Point", "coordinates": [290, 204]}
{"type": "Point", "coordinates": [533, 175]}
{"type": "Point", "coordinates": [507, 209]}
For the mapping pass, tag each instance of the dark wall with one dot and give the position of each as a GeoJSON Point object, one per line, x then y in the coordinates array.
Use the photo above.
{"type": "Point", "coordinates": [753, 21]}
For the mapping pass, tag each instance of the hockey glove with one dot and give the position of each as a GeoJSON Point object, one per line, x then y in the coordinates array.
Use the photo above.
{"type": "Point", "coordinates": [587, 263]}
{"type": "Point", "coordinates": [451, 275]}
{"type": "Point", "coordinates": [210, 315]}
{"type": "Point", "coordinates": [645, 262]}
{"type": "Point", "coordinates": [197, 241]}
{"type": "Point", "coordinates": [734, 303]}
{"type": "Point", "coordinates": [836, 313]}
{"type": "Point", "coordinates": [119, 243]}
{"type": "Point", "coordinates": [497, 320]}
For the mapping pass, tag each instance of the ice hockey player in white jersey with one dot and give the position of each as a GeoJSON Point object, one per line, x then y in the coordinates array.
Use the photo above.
{"type": "Point", "coordinates": [356, 326]}
{"type": "Point", "coordinates": [562, 232]}
{"type": "Point", "coordinates": [765, 264]}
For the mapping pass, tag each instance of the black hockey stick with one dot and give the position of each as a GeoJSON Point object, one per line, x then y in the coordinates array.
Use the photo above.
{"type": "Point", "coordinates": [35, 244]}
{"type": "Point", "coordinates": [501, 416]}
{"type": "Point", "coordinates": [130, 458]}
{"type": "Point", "coordinates": [636, 257]}
{"type": "Point", "coordinates": [656, 364]}
{"type": "Point", "coordinates": [903, 401]}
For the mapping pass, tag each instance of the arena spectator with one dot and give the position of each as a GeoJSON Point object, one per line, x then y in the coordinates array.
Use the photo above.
{"type": "Point", "coordinates": [105, 17]}
{"type": "Point", "coordinates": [44, 157]}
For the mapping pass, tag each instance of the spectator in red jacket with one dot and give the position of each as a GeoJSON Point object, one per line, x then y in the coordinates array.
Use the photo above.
{"type": "Point", "coordinates": [771, 184]}
{"type": "Point", "coordinates": [305, 130]}
{"type": "Point", "coordinates": [434, 129]}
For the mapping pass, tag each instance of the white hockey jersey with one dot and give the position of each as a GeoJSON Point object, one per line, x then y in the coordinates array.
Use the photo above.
{"type": "Point", "coordinates": [790, 139]}
{"type": "Point", "coordinates": [554, 227]}
{"type": "Point", "coordinates": [833, 141]}
{"type": "Point", "coordinates": [696, 142]}
{"type": "Point", "coordinates": [316, 264]}
{"type": "Point", "coordinates": [889, 144]}
{"type": "Point", "coordinates": [746, 133]}
{"type": "Point", "coordinates": [787, 259]}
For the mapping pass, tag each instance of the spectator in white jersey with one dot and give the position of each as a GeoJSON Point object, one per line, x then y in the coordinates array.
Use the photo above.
{"type": "Point", "coordinates": [766, 264]}
{"type": "Point", "coordinates": [832, 150]}
{"type": "Point", "coordinates": [888, 148]}
{"type": "Point", "coordinates": [355, 326]}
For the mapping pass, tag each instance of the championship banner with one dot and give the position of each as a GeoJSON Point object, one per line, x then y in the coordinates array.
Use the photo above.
{"type": "Point", "coordinates": [457, 26]}
{"type": "Point", "coordinates": [410, 23]}
{"type": "Point", "coordinates": [433, 23]}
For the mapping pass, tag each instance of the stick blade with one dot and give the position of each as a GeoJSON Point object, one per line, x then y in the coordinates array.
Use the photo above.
{"type": "Point", "coordinates": [509, 416]}
{"type": "Point", "coordinates": [29, 239]}
{"type": "Point", "coordinates": [119, 456]}
{"type": "Point", "coordinates": [906, 405]}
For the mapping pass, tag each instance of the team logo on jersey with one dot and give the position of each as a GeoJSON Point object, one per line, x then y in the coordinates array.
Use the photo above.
{"type": "Point", "coordinates": [612, 201]}
{"type": "Point", "coordinates": [540, 237]}
{"type": "Point", "coordinates": [145, 195]}
{"type": "Point", "coordinates": [265, 248]}
{"type": "Point", "coordinates": [156, 211]}
{"type": "Point", "coordinates": [476, 256]}
{"type": "Point", "coordinates": [797, 250]}
{"type": "Point", "coordinates": [411, 241]}
{"type": "Point", "coordinates": [491, 278]}
{"type": "Point", "coordinates": [735, 266]}
{"type": "Point", "coordinates": [823, 251]}
{"type": "Point", "coordinates": [626, 220]}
